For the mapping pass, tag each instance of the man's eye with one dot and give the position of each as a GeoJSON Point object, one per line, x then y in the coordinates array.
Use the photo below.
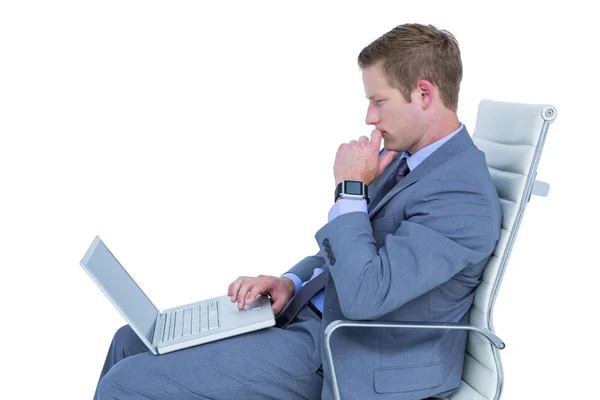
{"type": "Point", "coordinates": [379, 102]}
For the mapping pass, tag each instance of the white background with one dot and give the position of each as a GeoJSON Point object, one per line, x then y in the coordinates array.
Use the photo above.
{"type": "Point", "coordinates": [198, 141]}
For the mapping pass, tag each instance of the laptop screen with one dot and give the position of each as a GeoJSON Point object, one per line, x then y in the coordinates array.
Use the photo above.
{"type": "Point", "coordinates": [120, 288]}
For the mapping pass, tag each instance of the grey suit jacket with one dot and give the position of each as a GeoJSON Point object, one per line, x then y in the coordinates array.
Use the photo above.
{"type": "Point", "coordinates": [417, 256]}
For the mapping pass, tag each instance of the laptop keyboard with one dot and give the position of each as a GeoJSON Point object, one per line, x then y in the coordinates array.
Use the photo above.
{"type": "Point", "coordinates": [188, 321]}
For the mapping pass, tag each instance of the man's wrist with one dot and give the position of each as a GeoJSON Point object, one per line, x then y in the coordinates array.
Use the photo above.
{"type": "Point", "coordinates": [349, 189]}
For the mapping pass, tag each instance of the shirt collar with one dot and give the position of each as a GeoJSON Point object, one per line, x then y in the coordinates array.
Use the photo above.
{"type": "Point", "coordinates": [414, 160]}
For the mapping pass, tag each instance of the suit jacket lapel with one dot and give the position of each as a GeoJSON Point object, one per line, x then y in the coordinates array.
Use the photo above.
{"type": "Point", "coordinates": [453, 146]}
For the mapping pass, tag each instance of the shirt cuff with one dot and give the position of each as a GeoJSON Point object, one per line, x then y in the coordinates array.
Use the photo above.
{"type": "Point", "coordinates": [294, 279]}
{"type": "Point", "coordinates": [343, 206]}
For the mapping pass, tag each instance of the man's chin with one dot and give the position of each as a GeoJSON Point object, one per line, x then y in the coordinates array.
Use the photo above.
{"type": "Point", "coordinates": [388, 146]}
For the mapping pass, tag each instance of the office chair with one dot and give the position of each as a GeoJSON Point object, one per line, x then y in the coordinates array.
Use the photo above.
{"type": "Point", "coordinates": [512, 136]}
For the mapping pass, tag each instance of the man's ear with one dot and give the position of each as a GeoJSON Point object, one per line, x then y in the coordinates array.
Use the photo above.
{"type": "Point", "coordinates": [425, 91]}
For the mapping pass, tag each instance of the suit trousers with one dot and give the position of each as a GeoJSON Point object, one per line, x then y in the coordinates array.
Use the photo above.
{"type": "Point", "coordinates": [270, 363]}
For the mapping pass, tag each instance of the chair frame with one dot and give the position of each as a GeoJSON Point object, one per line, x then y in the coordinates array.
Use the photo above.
{"type": "Point", "coordinates": [532, 186]}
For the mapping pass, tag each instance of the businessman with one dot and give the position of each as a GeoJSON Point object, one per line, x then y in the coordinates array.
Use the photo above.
{"type": "Point", "coordinates": [407, 238]}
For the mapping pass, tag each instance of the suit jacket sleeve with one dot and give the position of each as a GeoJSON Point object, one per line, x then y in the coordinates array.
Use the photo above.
{"type": "Point", "coordinates": [445, 229]}
{"type": "Point", "coordinates": [304, 269]}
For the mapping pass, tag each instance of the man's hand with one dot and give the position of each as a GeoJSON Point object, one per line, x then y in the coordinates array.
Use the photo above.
{"type": "Point", "coordinates": [359, 161]}
{"type": "Point", "coordinates": [245, 289]}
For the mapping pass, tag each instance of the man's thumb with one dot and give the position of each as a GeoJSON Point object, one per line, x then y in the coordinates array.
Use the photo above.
{"type": "Point", "coordinates": [385, 160]}
{"type": "Point", "coordinates": [277, 306]}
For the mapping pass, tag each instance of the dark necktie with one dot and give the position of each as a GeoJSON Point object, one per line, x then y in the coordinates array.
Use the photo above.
{"type": "Point", "coordinates": [304, 295]}
{"type": "Point", "coordinates": [402, 171]}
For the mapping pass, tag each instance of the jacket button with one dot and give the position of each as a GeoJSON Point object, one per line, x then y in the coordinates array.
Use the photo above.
{"type": "Point", "coordinates": [332, 261]}
{"type": "Point", "coordinates": [325, 242]}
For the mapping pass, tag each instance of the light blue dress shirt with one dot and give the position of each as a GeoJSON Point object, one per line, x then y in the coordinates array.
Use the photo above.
{"type": "Point", "coordinates": [343, 206]}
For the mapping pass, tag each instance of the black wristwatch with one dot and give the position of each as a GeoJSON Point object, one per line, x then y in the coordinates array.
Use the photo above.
{"type": "Point", "coordinates": [352, 190]}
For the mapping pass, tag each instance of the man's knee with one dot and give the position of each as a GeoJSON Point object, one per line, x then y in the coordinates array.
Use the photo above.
{"type": "Point", "coordinates": [124, 335]}
{"type": "Point", "coordinates": [116, 384]}
{"type": "Point", "coordinates": [126, 342]}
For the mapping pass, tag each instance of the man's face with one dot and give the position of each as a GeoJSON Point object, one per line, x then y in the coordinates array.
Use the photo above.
{"type": "Point", "coordinates": [398, 120]}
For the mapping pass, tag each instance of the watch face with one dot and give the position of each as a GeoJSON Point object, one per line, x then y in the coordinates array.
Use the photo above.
{"type": "Point", "coordinates": [353, 187]}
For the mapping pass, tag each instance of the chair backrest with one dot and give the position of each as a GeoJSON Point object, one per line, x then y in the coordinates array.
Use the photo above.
{"type": "Point", "coordinates": [512, 137]}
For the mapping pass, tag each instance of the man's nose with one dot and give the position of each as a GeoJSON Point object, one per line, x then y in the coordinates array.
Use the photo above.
{"type": "Point", "coordinates": [372, 117]}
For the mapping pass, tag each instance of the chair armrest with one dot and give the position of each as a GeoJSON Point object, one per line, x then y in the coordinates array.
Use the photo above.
{"type": "Point", "coordinates": [540, 188]}
{"type": "Point", "coordinates": [335, 325]}
{"type": "Point", "coordinates": [489, 335]}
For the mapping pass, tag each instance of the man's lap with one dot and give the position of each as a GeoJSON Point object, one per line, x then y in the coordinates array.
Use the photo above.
{"type": "Point", "coordinates": [262, 364]}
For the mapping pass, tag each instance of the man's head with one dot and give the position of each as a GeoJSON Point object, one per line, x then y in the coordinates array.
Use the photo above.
{"type": "Point", "coordinates": [412, 78]}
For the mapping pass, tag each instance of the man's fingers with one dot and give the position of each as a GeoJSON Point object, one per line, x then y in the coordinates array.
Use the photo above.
{"type": "Point", "coordinates": [233, 289]}
{"type": "Point", "coordinates": [243, 293]}
{"type": "Point", "coordinates": [363, 140]}
{"type": "Point", "coordinates": [257, 289]}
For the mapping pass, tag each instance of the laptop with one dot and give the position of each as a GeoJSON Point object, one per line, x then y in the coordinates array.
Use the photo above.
{"type": "Point", "coordinates": [176, 328]}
